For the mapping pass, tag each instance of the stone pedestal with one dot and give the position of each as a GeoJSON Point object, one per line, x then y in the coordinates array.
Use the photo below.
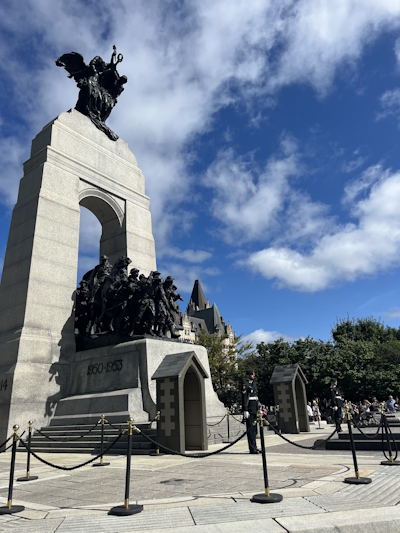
{"type": "Point", "coordinates": [116, 381]}
{"type": "Point", "coordinates": [72, 163]}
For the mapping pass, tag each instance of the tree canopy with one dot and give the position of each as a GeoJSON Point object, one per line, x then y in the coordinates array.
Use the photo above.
{"type": "Point", "coordinates": [363, 354]}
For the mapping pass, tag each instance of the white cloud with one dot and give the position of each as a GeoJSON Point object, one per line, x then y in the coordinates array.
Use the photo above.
{"type": "Point", "coordinates": [397, 51]}
{"type": "Point", "coordinates": [393, 313]}
{"type": "Point", "coordinates": [247, 199]}
{"type": "Point", "coordinates": [304, 221]}
{"type": "Point", "coordinates": [354, 164]}
{"type": "Point", "coordinates": [255, 203]}
{"type": "Point", "coordinates": [261, 335]}
{"type": "Point", "coordinates": [354, 250]}
{"type": "Point", "coordinates": [323, 36]}
{"type": "Point", "coordinates": [12, 154]}
{"type": "Point", "coordinates": [390, 104]}
{"type": "Point", "coordinates": [185, 275]}
{"type": "Point", "coordinates": [188, 255]}
{"type": "Point", "coordinates": [182, 61]}
{"type": "Point", "coordinates": [363, 184]}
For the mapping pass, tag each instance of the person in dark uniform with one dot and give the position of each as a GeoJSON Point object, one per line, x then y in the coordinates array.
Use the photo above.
{"type": "Point", "coordinates": [337, 405]}
{"type": "Point", "coordinates": [249, 408]}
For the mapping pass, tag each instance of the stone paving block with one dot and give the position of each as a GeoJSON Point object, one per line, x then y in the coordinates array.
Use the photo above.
{"type": "Point", "coordinates": [329, 488]}
{"type": "Point", "coordinates": [383, 488]}
{"type": "Point", "coordinates": [242, 511]}
{"type": "Point", "coordinates": [31, 514]}
{"type": "Point", "coordinates": [381, 520]}
{"type": "Point", "coordinates": [31, 505]}
{"type": "Point", "coordinates": [145, 520]}
{"type": "Point", "coordinates": [194, 501]}
{"type": "Point", "coordinates": [32, 526]}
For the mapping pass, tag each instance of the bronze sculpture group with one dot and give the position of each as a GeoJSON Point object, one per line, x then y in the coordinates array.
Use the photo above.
{"type": "Point", "coordinates": [109, 300]}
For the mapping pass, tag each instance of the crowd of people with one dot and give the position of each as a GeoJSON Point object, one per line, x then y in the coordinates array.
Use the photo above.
{"type": "Point", "coordinates": [331, 410]}
{"type": "Point", "coordinates": [361, 411]}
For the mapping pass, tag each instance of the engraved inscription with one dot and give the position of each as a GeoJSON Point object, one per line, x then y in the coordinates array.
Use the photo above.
{"type": "Point", "coordinates": [98, 368]}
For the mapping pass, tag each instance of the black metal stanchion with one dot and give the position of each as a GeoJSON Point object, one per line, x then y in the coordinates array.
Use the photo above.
{"type": "Point", "coordinates": [126, 509]}
{"type": "Point", "coordinates": [278, 418]}
{"type": "Point", "coordinates": [28, 477]}
{"type": "Point", "coordinates": [102, 463]}
{"type": "Point", "coordinates": [227, 423]}
{"type": "Point", "coordinates": [391, 461]}
{"type": "Point", "coordinates": [267, 497]}
{"type": "Point", "coordinates": [357, 480]}
{"type": "Point", "coordinates": [157, 452]}
{"type": "Point", "coordinates": [10, 508]}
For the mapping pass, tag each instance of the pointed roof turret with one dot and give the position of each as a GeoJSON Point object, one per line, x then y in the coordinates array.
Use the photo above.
{"type": "Point", "coordinates": [197, 297]}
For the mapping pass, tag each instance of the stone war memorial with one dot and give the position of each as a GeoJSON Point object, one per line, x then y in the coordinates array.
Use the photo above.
{"type": "Point", "coordinates": [70, 355]}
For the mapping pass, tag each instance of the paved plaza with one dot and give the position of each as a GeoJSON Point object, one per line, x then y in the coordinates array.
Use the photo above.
{"type": "Point", "coordinates": [208, 494]}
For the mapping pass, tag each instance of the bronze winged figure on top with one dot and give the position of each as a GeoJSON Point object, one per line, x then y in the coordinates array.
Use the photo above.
{"type": "Point", "coordinates": [99, 86]}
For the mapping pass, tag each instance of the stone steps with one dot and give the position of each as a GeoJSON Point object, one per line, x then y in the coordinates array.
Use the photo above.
{"type": "Point", "coordinates": [373, 443]}
{"type": "Point", "coordinates": [66, 437]}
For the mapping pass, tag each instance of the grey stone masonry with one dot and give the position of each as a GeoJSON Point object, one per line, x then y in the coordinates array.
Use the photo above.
{"type": "Point", "coordinates": [72, 163]}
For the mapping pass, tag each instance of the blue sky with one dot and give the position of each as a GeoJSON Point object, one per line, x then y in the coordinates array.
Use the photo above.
{"type": "Point", "coordinates": [268, 135]}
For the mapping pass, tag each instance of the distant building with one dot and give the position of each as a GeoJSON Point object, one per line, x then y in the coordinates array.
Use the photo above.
{"type": "Point", "coordinates": [199, 315]}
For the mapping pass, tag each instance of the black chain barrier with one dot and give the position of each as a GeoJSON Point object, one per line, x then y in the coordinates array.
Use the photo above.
{"type": "Point", "coordinates": [381, 427]}
{"type": "Point", "coordinates": [120, 427]}
{"type": "Point", "coordinates": [69, 468]}
{"type": "Point", "coordinates": [212, 425]}
{"type": "Point", "coordinates": [115, 427]}
{"type": "Point", "coordinates": [234, 418]}
{"type": "Point", "coordinates": [10, 446]}
{"type": "Point", "coordinates": [61, 439]}
{"type": "Point", "coordinates": [371, 436]}
{"type": "Point", "coordinates": [5, 442]}
{"type": "Point", "coordinates": [194, 456]}
{"type": "Point", "coordinates": [313, 447]}
{"type": "Point", "coordinates": [243, 421]}
{"type": "Point", "coordinates": [389, 431]}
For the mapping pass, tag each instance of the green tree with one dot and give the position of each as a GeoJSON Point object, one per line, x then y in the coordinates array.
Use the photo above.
{"type": "Point", "coordinates": [364, 355]}
{"type": "Point", "coordinates": [223, 360]}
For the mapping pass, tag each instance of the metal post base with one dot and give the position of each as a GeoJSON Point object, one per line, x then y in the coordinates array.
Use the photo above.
{"type": "Point", "coordinates": [121, 510]}
{"type": "Point", "coordinates": [263, 498]}
{"type": "Point", "coordinates": [390, 463]}
{"type": "Point", "coordinates": [100, 464]}
{"type": "Point", "coordinates": [11, 510]}
{"type": "Point", "coordinates": [30, 478]}
{"type": "Point", "coordinates": [358, 480]}
{"type": "Point", "coordinates": [155, 454]}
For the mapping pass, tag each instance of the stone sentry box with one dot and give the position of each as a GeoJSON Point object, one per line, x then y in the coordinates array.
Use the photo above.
{"type": "Point", "coordinates": [181, 402]}
{"type": "Point", "coordinates": [289, 383]}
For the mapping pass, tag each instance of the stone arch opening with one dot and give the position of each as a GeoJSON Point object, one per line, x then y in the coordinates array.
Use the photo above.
{"type": "Point", "coordinates": [193, 406]}
{"type": "Point", "coordinates": [111, 216]}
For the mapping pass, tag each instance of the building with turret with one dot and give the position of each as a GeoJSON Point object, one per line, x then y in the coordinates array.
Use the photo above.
{"type": "Point", "coordinates": [200, 315]}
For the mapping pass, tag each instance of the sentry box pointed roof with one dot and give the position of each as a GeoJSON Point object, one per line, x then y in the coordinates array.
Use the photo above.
{"type": "Point", "coordinates": [287, 374]}
{"type": "Point", "coordinates": [176, 364]}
